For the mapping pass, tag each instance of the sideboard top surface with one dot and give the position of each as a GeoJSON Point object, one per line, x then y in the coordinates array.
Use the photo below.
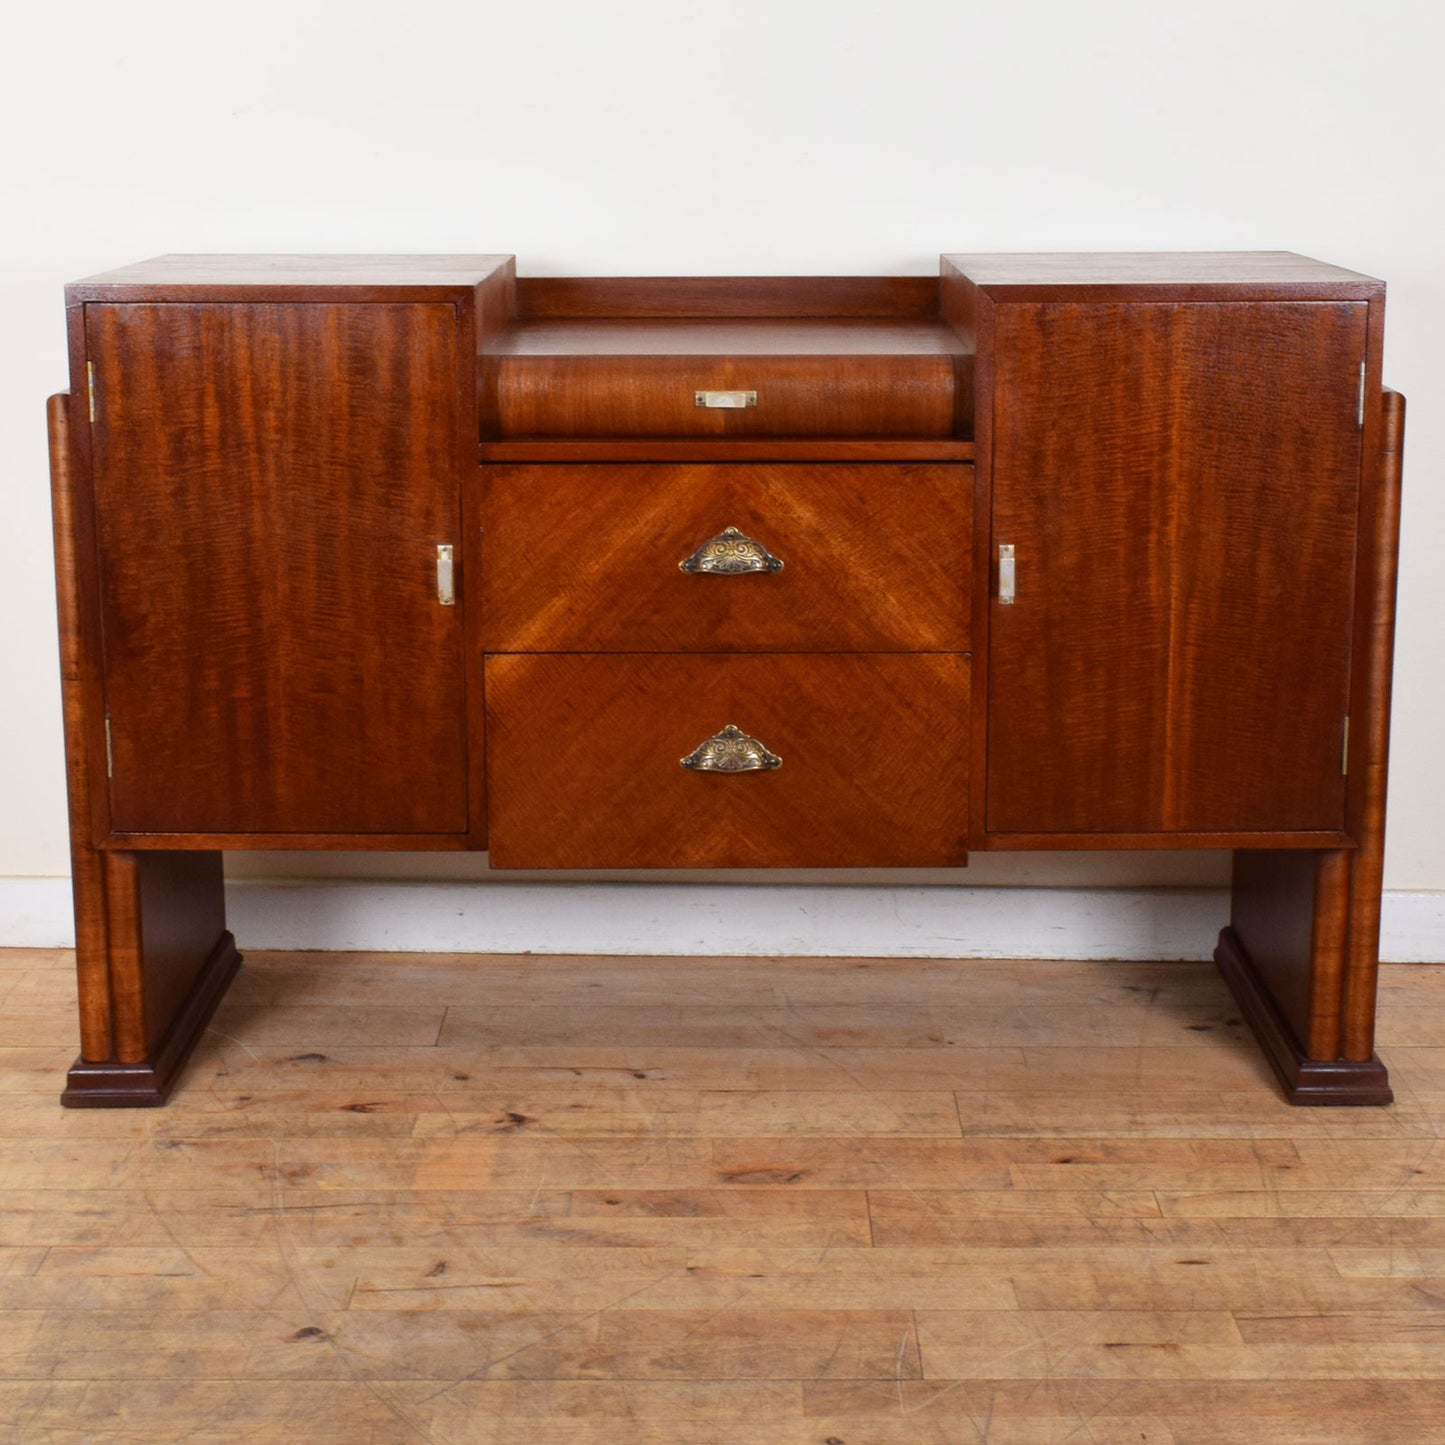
{"type": "Point", "coordinates": [211, 277]}
{"type": "Point", "coordinates": [1270, 269]}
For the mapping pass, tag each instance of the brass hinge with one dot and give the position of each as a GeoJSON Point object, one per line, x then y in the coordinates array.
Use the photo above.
{"type": "Point", "coordinates": [1345, 751]}
{"type": "Point", "coordinates": [90, 386]}
{"type": "Point", "coordinates": [109, 750]}
{"type": "Point", "coordinates": [1360, 413]}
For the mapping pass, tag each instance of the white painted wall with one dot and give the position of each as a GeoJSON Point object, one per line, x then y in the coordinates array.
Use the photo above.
{"type": "Point", "coordinates": [657, 136]}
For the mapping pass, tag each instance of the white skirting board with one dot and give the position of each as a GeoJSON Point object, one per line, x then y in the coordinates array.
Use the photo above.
{"type": "Point", "coordinates": [612, 918]}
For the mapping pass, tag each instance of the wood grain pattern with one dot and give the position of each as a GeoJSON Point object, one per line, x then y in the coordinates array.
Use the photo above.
{"type": "Point", "coordinates": [583, 760]}
{"type": "Point", "coordinates": [905, 394]}
{"type": "Point", "coordinates": [602, 297]}
{"type": "Point", "coordinates": [1305, 1079]}
{"type": "Point", "coordinates": [1015, 276]}
{"type": "Point", "coordinates": [729, 449]}
{"type": "Point", "coordinates": [80, 687]}
{"type": "Point", "coordinates": [306, 681]}
{"type": "Point", "coordinates": [200, 980]}
{"type": "Point", "coordinates": [1289, 912]}
{"type": "Point", "coordinates": [1110, 1242]}
{"type": "Point", "coordinates": [645, 338]}
{"type": "Point", "coordinates": [257, 467]}
{"type": "Point", "coordinates": [1140, 453]}
{"type": "Point", "coordinates": [354, 278]}
{"type": "Point", "coordinates": [586, 559]}
{"type": "Point", "coordinates": [1371, 748]}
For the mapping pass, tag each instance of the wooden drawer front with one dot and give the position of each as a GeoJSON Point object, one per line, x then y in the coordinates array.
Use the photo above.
{"type": "Point", "coordinates": [875, 557]}
{"type": "Point", "coordinates": [656, 396]}
{"type": "Point", "coordinates": [584, 761]}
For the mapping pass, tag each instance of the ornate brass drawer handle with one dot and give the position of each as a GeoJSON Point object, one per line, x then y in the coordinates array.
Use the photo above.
{"type": "Point", "coordinates": [731, 751]}
{"type": "Point", "coordinates": [731, 552]}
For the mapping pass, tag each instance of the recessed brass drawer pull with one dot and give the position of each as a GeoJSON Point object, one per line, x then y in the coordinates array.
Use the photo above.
{"type": "Point", "coordinates": [725, 400]}
{"type": "Point", "coordinates": [730, 552]}
{"type": "Point", "coordinates": [731, 751]}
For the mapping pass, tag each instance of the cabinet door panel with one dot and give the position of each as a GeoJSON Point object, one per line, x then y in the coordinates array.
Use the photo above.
{"type": "Point", "coordinates": [272, 483]}
{"type": "Point", "coordinates": [1180, 484]}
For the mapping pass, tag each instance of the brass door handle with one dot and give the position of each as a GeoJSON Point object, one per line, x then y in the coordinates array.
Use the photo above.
{"type": "Point", "coordinates": [446, 576]}
{"type": "Point", "coordinates": [730, 751]}
{"type": "Point", "coordinates": [1007, 575]}
{"type": "Point", "coordinates": [729, 553]}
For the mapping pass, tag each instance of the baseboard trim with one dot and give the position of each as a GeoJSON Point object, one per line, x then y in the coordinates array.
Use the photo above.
{"type": "Point", "coordinates": [646, 918]}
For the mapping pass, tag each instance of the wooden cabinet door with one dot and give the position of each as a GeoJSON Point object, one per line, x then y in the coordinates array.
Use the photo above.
{"type": "Point", "coordinates": [272, 482]}
{"type": "Point", "coordinates": [1179, 482]}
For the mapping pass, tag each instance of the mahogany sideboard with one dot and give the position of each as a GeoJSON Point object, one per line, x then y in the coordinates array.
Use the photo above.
{"type": "Point", "coordinates": [1047, 551]}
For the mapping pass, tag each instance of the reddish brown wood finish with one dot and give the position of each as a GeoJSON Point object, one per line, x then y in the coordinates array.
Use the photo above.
{"type": "Point", "coordinates": [1153, 275]}
{"type": "Point", "coordinates": [1177, 838]}
{"type": "Point", "coordinates": [1302, 951]}
{"type": "Point", "coordinates": [272, 483]}
{"type": "Point", "coordinates": [591, 393]}
{"type": "Point", "coordinates": [166, 915]}
{"type": "Point", "coordinates": [1151, 426]}
{"type": "Point", "coordinates": [729, 449]}
{"type": "Point", "coordinates": [644, 339]}
{"type": "Point", "coordinates": [240, 842]}
{"type": "Point", "coordinates": [79, 684]}
{"type": "Point", "coordinates": [1288, 911]}
{"type": "Point", "coordinates": [487, 282]}
{"type": "Point", "coordinates": [1304, 1080]}
{"type": "Point", "coordinates": [1370, 753]}
{"type": "Point", "coordinates": [652, 297]}
{"type": "Point", "coordinates": [585, 559]}
{"type": "Point", "coordinates": [153, 956]}
{"type": "Point", "coordinates": [1162, 669]}
{"type": "Point", "coordinates": [584, 755]}
{"type": "Point", "coordinates": [1295, 942]}
{"type": "Point", "coordinates": [110, 1083]}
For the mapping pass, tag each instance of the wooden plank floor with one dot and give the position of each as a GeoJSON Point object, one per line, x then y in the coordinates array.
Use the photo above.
{"type": "Point", "coordinates": [876, 1202]}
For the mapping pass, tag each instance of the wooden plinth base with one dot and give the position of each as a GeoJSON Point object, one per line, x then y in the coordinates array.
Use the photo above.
{"type": "Point", "coordinates": [111, 1085]}
{"type": "Point", "coordinates": [1305, 1080]}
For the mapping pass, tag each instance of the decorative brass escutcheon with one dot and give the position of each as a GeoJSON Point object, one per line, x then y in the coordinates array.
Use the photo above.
{"type": "Point", "coordinates": [731, 751]}
{"type": "Point", "coordinates": [731, 552]}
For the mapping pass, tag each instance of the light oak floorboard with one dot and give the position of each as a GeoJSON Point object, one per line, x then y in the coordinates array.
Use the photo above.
{"type": "Point", "coordinates": [565, 1201]}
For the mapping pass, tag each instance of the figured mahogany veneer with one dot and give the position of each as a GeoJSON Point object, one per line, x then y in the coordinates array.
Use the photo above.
{"type": "Point", "coordinates": [1142, 452]}
{"type": "Point", "coordinates": [584, 761]}
{"type": "Point", "coordinates": [585, 559]}
{"type": "Point", "coordinates": [1191, 457]}
{"type": "Point", "coordinates": [328, 441]}
{"type": "Point", "coordinates": [831, 378]}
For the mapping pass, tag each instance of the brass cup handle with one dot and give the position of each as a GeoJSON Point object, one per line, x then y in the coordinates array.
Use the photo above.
{"type": "Point", "coordinates": [731, 751]}
{"type": "Point", "coordinates": [729, 553]}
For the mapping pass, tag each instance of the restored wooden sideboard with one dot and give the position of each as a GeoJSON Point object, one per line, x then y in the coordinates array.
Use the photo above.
{"type": "Point", "coordinates": [1053, 551]}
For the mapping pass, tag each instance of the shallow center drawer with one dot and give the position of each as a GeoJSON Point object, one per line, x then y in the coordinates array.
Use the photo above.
{"type": "Point", "coordinates": [730, 557]}
{"type": "Point", "coordinates": [791, 761]}
{"type": "Point", "coordinates": [777, 377]}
